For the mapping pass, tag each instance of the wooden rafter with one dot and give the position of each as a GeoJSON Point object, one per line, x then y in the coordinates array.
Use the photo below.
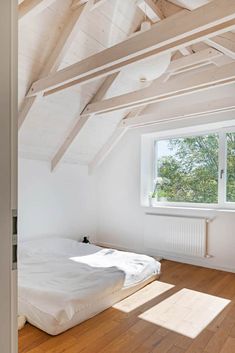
{"type": "Point", "coordinates": [187, 110]}
{"type": "Point", "coordinates": [32, 7]}
{"type": "Point", "coordinates": [154, 13]}
{"type": "Point", "coordinates": [188, 63]}
{"type": "Point", "coordinates": [174, 88]}
{"type": "Point", "coordinates": [81, 121]}
{"type": "Point", "coordinates": [57, 55]}
{"type": "Point", "coordinates": [225, 43]}
{"type": "Point", "coordinates": [151, 10]}
{"type": "Point", "coordinates": [205, 22]}
{"type": "Point", "coordinates": [194, 60]}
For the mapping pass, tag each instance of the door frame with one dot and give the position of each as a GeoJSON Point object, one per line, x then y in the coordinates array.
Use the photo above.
{"type": "Point", "coordinates": [8, 172]}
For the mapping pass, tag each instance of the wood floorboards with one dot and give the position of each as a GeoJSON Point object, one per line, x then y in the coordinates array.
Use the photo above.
{"type": "Point", "coordinates": [116, 331]}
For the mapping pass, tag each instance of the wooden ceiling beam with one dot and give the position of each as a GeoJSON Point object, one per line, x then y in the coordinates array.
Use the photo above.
{"type": "Point", "coordinates": [180, 66]}
{"type": "Point", "coordinates": [225, 43]}
{"type": "Point", "coordinates": [40, 89]}
{"type": "Point", "coordinates": [167, 112]}
{"type": "Point", "coordinates": [151, 10]}
{"type": "Point", "coordinates": [66, 38]}
{"type": "Point", "coordinates": [81, 121]}
{"type": "Point", "coordinates": [154, 13]}
{"type": "Point", "coordinates": [191, 61]}
{"type": "Point", "coordinates": [213, 19]}
{"type": "Point", "coordinates": [174, 88]}
{"type": "Point", "coordinates": [32, 7]}
{"type": "Point", "coordinates": [184, 51]}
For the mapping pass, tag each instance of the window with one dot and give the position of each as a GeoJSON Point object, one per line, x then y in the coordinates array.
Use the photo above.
{"type": "Point", "coordinates": [187, 169]}
{"type": "Point", "coordinates": [196, 169]}
{"type": "Point", "coordinates": [230, 189]}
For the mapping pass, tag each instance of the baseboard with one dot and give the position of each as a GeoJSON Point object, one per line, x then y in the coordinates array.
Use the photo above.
{"type": "Point", "coordinates": [198, 262]}
{"type": "Point", "coordinates": [191, 261]}
{"type": "Point", "coordinates": [115, 246]}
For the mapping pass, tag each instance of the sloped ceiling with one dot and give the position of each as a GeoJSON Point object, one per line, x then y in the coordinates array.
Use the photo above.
{"type": "Point", "coordinates": [52, 117]}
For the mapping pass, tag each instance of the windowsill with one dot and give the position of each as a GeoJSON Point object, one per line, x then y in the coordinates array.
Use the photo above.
{"type": "Point", "coordinates": [187, 210]}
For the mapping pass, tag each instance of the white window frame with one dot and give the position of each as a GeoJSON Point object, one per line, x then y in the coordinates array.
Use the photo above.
{"type": "Point", "coordinates": [147, 185]}
{"type": "Point", "coordinates": [223, 164]}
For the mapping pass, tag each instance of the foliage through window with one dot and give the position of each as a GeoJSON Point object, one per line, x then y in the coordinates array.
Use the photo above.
{"type": "Point", "coordinates": [198, 169]}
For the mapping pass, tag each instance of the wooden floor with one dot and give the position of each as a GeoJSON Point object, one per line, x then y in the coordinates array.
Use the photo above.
{"type": "Point", "coordinates": [126, 332]}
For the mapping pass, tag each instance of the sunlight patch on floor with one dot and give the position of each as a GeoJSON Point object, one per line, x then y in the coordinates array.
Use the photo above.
{"type": "Point", "coordinates": [187, 312]}
{"type": "Point", "coordinates": [143, 296]}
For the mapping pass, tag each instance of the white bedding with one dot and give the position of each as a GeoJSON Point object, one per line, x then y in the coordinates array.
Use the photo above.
{"type": "Point", "coordinates": [59, 278]}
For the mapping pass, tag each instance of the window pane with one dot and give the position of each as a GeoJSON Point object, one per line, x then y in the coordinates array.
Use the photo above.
{"type": "Point", "coordinates": [231, 167]}
{"type": "Point", "coordinates": [187, 169]}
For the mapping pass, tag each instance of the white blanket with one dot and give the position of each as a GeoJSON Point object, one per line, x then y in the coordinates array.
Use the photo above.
{"type": "Point", "coordinates": [62, 276]}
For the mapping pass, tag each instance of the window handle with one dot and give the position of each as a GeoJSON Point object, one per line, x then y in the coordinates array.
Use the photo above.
{"type": "Point", "coordinates": [221, 173]}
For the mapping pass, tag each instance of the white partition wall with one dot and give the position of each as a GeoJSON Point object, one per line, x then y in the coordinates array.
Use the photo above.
{"type": "Point", "coordinates": [8, 175]}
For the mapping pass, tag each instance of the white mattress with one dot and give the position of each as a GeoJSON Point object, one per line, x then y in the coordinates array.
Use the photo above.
{"type": "Point", "coordinates": [63, 282]}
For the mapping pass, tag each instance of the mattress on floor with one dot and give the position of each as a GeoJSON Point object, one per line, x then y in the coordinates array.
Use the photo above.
{"type": "Point", "coordinates": [63, 282]}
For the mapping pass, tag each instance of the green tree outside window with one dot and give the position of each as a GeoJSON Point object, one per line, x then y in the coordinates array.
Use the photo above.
{"type": "Point", "coordinates": [187, 169]}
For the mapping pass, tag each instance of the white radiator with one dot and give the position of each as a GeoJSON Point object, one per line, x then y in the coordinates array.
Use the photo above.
{"type": "Point", "coordinates": [175, 235]}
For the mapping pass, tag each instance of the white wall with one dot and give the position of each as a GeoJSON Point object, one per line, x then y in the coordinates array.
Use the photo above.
{"type": "Point", "coordinates": [59, 203]}
{"type": "Point", "coordinates": [71, 203]}
{"type": "Point", "coordinates": [121, 218]}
